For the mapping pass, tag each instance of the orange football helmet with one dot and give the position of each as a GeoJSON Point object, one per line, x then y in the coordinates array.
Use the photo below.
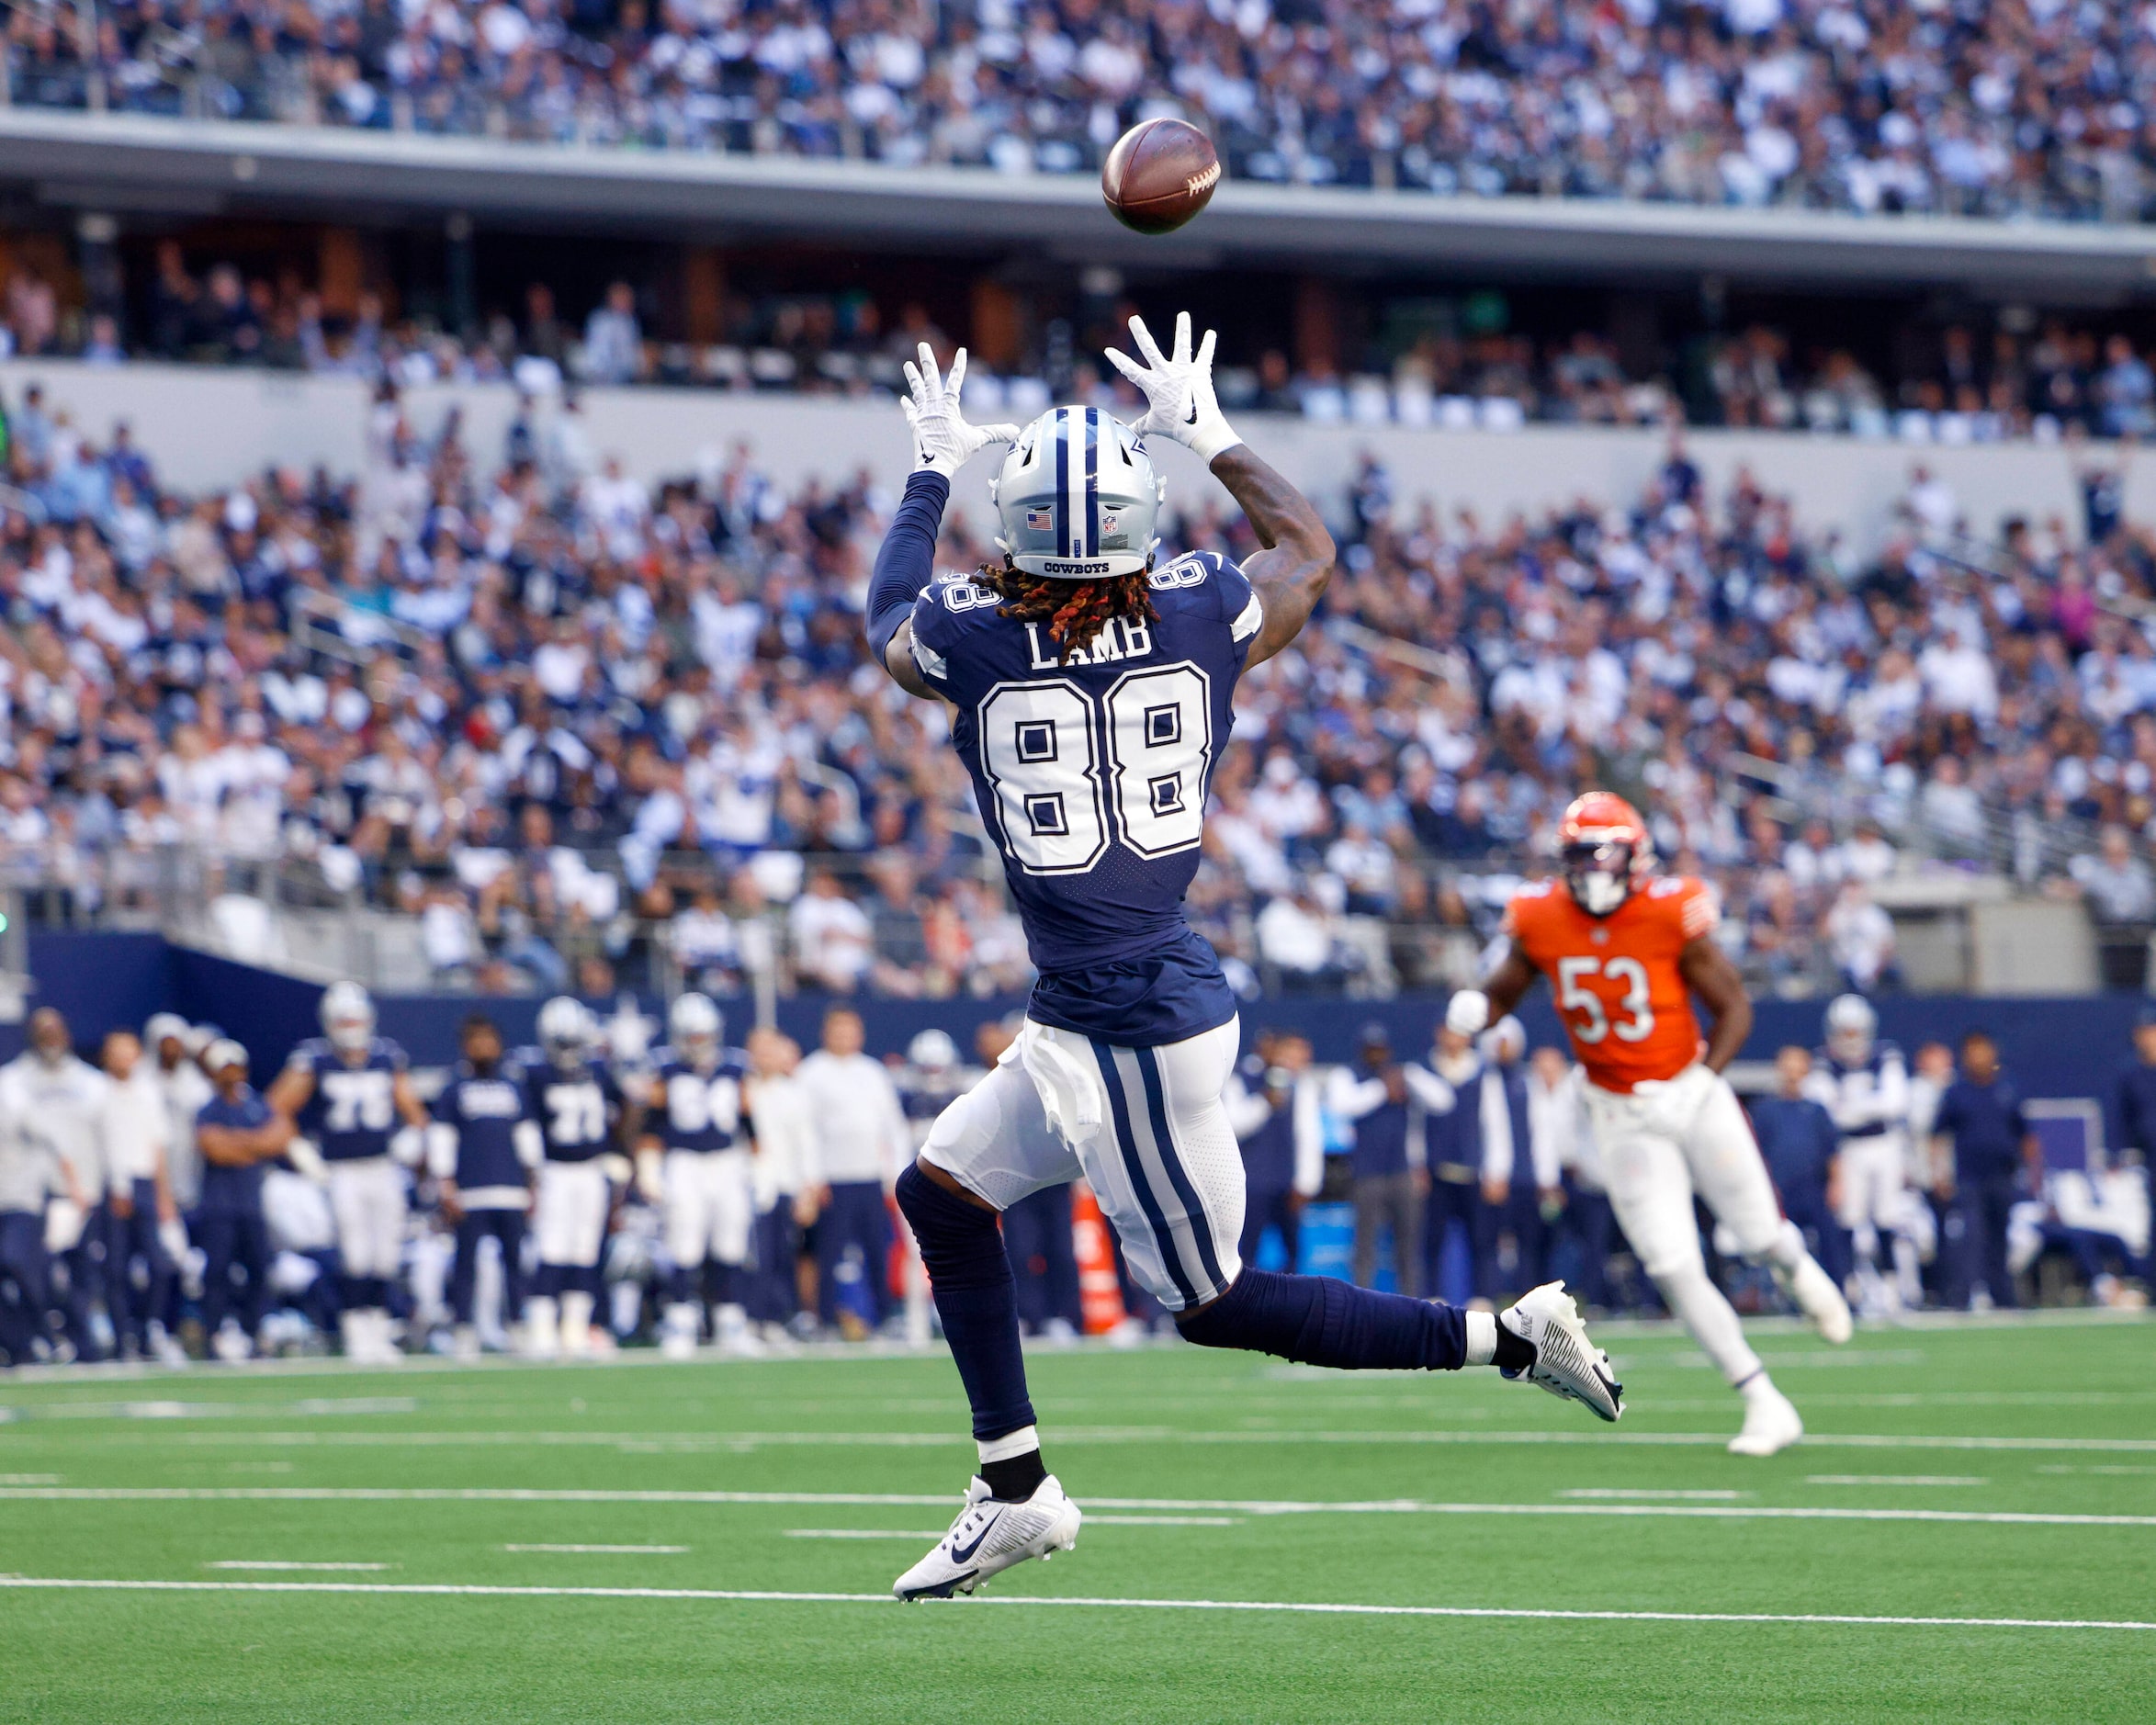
{"type": "Point", "coordinates": [1606, 851]}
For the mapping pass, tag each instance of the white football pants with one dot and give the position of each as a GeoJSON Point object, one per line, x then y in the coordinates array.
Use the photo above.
{"type": "Point", "coordinates": [1873, 1178]}
{"type": "Point", "coordinates": [366, 1197]}
{"type": "Point", "coordinates": [1658, 1149]}
{"type": "Point", "coordinates": [570, 1218]}
{"type": "Point", "coordinates": [1144, 1127]}
{"type": "Point", "coordinates": [710, 1206]}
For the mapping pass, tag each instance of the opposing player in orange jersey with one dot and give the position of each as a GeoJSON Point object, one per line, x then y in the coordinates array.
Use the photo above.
{"type": "Point", "coordinates": [1626, 949]}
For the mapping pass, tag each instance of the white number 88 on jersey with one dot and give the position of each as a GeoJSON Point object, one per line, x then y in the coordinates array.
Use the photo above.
{"type": "Point", "coordinates": [1039, 749]}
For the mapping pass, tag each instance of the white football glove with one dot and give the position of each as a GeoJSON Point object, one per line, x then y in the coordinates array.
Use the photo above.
{"type": "Point", "coordinates": [942, 441]}
{"type": "Point", "coordinates": [1178, 390]}
{"type": "Point", "coordinates": [1468, 1013]}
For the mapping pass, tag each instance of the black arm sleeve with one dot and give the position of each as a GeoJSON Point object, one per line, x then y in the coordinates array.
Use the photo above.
{"type": "Point", "coordinates": [906, 561]}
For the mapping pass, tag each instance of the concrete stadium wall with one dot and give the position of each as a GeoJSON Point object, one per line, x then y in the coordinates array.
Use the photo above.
{"type": "Point", "coordinates": [2063, 1047]}
{"type": "Point", "coordinates": [205, 426]}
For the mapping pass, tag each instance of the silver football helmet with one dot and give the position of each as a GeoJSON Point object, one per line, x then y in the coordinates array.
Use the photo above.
{"type": "Point", "coordinates": [695, 1025]}
{"type": "Point", "coordinates": [347, 1016]}
{"type": "Point", "coordinates": [1076, 498]}
{"type": "Point", "coordinates": [1850, 1026]}
{"type": "Point", "coordinates": [566, 1032]}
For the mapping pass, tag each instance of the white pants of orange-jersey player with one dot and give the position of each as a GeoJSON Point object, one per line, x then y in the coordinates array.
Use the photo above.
{"type": "Point", "coordinates": [1659, 1149]}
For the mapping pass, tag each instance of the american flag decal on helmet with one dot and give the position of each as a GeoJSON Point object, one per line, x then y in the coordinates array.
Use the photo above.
{"type": "Point", "coordinates": [1040, 520]}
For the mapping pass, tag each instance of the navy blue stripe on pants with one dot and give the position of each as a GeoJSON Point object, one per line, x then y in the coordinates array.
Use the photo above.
{"type": "Point", "coordinates": [854, 1217]}
{"type": "Point", "coordinates": [1178, 1178]}
{"type": "Point", "coordinates": [1119, 1120]}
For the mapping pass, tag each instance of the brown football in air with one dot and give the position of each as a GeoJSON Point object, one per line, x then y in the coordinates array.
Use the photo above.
{"type": "Point", "coordinates": [1161, 173]}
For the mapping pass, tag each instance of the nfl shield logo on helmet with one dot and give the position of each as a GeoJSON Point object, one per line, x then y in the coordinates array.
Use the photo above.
{"type": "Point", "coordinates": [1040, 521]}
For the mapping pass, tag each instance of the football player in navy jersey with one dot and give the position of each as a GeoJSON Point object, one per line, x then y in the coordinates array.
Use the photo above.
{"type": "Point", "coordinates": [584, 1120]}
{"type": "Point", "coordinates": [482, 1148]}
{"type": "Point", "coordinates": [694, 1162]}
{"type": "Point", "coordinates": [348, 1090]}
{"type": "Point", "coordinates": [1093, 693]}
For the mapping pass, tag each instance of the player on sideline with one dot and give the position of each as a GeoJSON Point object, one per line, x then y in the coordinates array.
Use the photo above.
{"type": "Point", "coordinates": [583, 1120]}
{"type": "Point", "coordinates": [482, 1148]}
{"type": "Point", "coordinates": [347, 1089]}
{"type": "Point", "coordinates": [694, 1159]}
{"type": "Point", "coordinates": [1864, 1084]}
{"type": "Point", "coordinates": [1092, 694]}
{"type": "Point", "coordinates": [1626, 949]}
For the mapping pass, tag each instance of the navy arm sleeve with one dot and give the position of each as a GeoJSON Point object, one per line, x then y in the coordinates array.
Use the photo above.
{"type": "Point", "coordinates": [906, 562]}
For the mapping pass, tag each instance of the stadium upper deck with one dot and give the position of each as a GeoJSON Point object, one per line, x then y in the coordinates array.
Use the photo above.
{"type": "Point", "coordinates": [1725, 138]}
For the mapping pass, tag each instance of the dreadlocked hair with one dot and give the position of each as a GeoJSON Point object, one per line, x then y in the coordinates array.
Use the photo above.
{"type": "Point", "coordinates": [1075, 612]}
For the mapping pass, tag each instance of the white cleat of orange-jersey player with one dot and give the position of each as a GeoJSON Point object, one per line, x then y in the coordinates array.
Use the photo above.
{"type": "Point", "coordinates": [1626, 949]}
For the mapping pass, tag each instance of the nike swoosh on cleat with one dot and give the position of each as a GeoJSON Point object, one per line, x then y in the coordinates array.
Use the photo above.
{"type": "Point", "coordinates": [966, 1556]}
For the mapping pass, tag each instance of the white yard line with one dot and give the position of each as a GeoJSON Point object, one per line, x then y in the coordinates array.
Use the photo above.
{"type": "Point", "coordinates": [865, 1533]}
{"type": "Point", "coordinates": [620, 1550]}
{"type": "Point", "coordinates": [452, 1589]}
{"type": "Point", "coordinates": [701, 1442]}
{"type": "Point", "coordinates": [1895, 1478]}
{"type": "Point", "coordinates": [1252, 1506]}
{"type": "Point", "coordinates": [1645, 1491]}
{"type": "Point", "coordinates": [274, 1563]}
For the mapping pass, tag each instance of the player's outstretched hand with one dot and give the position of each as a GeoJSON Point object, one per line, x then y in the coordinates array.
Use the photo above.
{"type": "Point", "coordinates": [1178, 387]}
{"type": "Point", "coordinates": [942, 441]}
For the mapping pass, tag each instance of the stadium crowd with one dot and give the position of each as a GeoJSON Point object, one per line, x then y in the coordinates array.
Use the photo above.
{"type": "Point", "coordinates": [2023, 108]}
{"type": "Point", "coordinates": [159, 1204]}
{"type": "Point", "coordinates": [1474, 367]}
{"type": "Point", "coordinates": [586, 733]}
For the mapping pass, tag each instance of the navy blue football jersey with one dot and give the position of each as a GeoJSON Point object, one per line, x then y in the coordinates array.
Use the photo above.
{"type": "Point", "coordinates": [484, 1109]}
{"type": "Point", "coordinates": [696, 1110]}
{"type": "Point", "coordinates": [576, 1109]}
{"type": "Point", "coordinates": [353, 1111]}
{"type": "Point", "coordinates": [1091, 776]}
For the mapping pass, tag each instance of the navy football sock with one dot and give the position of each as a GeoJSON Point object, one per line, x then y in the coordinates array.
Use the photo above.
{"type": "Point", "coordinates": [1318, 1321]}
{"type": "Point", "coordinates": [969, 1274]}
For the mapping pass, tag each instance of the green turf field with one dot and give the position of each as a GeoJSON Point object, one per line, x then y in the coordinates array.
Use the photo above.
{"type": "Point", "coordinates": [461, 1518]}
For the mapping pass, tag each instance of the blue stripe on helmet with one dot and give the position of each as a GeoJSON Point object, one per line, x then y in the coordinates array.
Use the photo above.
{"type": "Point", "coordinates": [1092, 483]}
{"type": "Point", "coordinates": [1063, 478]}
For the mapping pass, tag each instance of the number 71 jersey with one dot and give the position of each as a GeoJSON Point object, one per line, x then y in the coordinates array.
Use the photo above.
{"type": "Point", "coordinates": [1619, 986]}
{"type": "Point", "coordinates": [1091, 772]}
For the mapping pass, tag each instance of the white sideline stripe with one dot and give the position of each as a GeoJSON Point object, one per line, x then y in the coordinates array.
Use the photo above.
{"type": "Point", "coordinates": [1250, 1506]}
{"type": "Point", "coordinates": [273, 1564]}
{"type": "Point", "coordinates": [622, 1551]}
{"type": "Point", "coordinates": [456, 1589]}
{"type": "Point", "coordinates": [1895, 1478]}
{"type": "Point", "coordinates": [2094, 1470]}
{"type": "Point", "coordinates": [1164, 1521]}
{"type": "Point", "coordinates": [865, 1533]}
{"type": "Point", "coordinates": [325, 1406]}
{"type": "Point", "coordinates": [1648, 1492]}
{"type": "Point", "coordinates": [700, 1442]}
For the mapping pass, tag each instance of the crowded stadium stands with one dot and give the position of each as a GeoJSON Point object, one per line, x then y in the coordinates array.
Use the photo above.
{"type": "Point", "coordinates": [2036, 107]}
{"type": "Point", "coordinates": [594, 735]}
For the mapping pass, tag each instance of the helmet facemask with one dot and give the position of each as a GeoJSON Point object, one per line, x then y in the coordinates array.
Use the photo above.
{"type": "Point", "coordinates": [1600, 875]}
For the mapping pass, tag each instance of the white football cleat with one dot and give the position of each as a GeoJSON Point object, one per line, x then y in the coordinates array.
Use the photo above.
{"type": "Point", "coordinates": [1771, 1421]}
{"type": "Point", "coordinates": [988, 1536]}
{"type": "Point", "coordinates": [1566, 1362]}
{"type": "Point", "coordinates": [1813, 1291]}
{"type": "Point", "coordinates": [677, 1334]}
